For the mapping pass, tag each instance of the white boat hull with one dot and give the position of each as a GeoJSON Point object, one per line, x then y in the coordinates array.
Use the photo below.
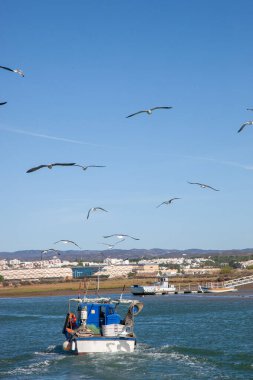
{"type": "Point", "coordinates": [217, 290]}
{"type": "Point", "coordinates": [151, 290]}
{"type": "Point", "coordinates": [101, 344]}
{"type": "Point", "coordinates": [160, 287]}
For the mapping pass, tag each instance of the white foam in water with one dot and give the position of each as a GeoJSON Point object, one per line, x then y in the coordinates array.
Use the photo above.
{"type": "Point", "coordinates": [52, 355]}
{"type": "Point", "coordinates": [49, 350]}
{"type": "Point", "coordinates": [30, 369]}
{"type": "Point", "coordinates": [160, 354]}
{"type": "Point", "coordinates": [38, 367]}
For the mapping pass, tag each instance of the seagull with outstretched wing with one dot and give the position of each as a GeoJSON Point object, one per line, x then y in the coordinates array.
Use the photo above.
{"type": "Point", "coordinates": [168, 202]}
{"type": "Point", "coordinates": [49, 250]}
{"type": "Point", "coordinates": [110, 246]}
{"type": "Point", "coordinates": [3, 103]}
{"type": "Point", "coordinates": [121, 236]}
{"type": "Point", "coordinates": [204, 186]}
{"type": "Point", "coordinates": [244, 125]}
{"type": "Point", "coordinates": [17, 71]}
{"type": "Point", "coordinates": [49, 166]}
{"type": "Point", "coordinates": [95, 209]}
{"type": "Point", "coordinates": [149, 111]}
{"type": "Point", "coordinates": [249, 109]}
{"type": "Point", "coordinates": [89, 166]}
{"type": "Point", "coordinates": [67, 242]}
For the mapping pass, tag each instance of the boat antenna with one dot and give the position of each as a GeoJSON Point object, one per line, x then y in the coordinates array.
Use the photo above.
{"type": "Point", "coordinates": [122, 292]}
{"type": "Point", "coordinates": [98, 276]}
{"type": "Point", "coordinates": [79, 289]}
{"type": "Point", "coordinates": [98, 283]}
{"type": "Point", "coordinates": [85, 287]}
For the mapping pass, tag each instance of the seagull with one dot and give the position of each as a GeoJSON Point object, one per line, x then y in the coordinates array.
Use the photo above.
{"type": "Point", "coordinates": [149, 111]}
{"type": "Point", "coordinates": [203, 185]}
{"type": "Point", "coordinates": [95, 209]}
{"type": "Point", "coordinates": [249, 109]}
{"type": "Point", "coordinates": [13, 70]}
{"type": "Point", "coordinates": [49, 250]}
{"type": "Point", "coordinates": [49, 166]}
{"type": "Point", "coordinates": [89, 166]}
{"type": "Point", "coordinates": [244, 125]}
{"type": "Point", "coordinates": [121, 236]}
{"type": "Point", "coordinates": [3, 103]}
{"type": "Point", "coordinates": [110, 246]}
{"type": "Point", "coordinates": [67, 242]}
{"type": "Point", "coordinates": [167, 202]}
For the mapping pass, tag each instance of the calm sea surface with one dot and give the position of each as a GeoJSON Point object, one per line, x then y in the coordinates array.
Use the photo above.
{"type": "Point", "coordinates": [179, 337]}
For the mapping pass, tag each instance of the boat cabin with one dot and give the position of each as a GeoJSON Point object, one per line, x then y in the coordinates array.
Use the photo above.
{"type": "Point", "coordinates": [98, 314]}
{"type": "Point", "coordinates": [94, 318]}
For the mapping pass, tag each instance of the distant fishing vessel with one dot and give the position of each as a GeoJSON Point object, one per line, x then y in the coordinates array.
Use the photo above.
{"type": "Point", "coordinates": [96, 326]}
{"type": "Point", "coordinates": [160, 287]}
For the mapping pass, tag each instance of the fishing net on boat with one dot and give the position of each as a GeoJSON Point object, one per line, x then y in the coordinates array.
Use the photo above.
{"type": "Point", "coordinates": [93, 329]}
{"type": "Point", "coordinates": [134, 309]}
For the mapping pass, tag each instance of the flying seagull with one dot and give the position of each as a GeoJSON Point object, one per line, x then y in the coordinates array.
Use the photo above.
{"type": "Point", "coordinates": [244, 125]}
{"type": "Point", "coordinates": [121, 236]}
{"type": "Point", "coordinates": [167, 202]}
{"type": "Point", "coordinates": [89, 166]}
{"type": "Point", "coordinates": [67, 242]}
{"type": "Point", "coordinates": [3, 103]}
{"type": "Point", "coordinates": [13, 70]}
{"type": "Point", "coordinates": [149, 111]}
{"type": "Point", "coordinates": [203, 185]}
{"type": "Point", "coordinates": [249, 109]}
{"type": "Point", "coordinates": [49, 166]}
{"type": "Point", "coordinates": [112, 245]}
{"type": "Point", "coordinates": [49, 250]}
{"type": "Point", "coordinates": [95, 209]}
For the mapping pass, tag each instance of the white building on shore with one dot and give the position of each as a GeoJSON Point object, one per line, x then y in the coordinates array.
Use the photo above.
{"type": "Point", "coordinates": [36, 274]}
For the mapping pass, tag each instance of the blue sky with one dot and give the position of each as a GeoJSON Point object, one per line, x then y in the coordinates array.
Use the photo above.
{"type": "Point", "coordinates": [87, 65]}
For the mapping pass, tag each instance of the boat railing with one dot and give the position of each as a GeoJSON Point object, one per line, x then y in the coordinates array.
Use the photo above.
{"type": "Point", "coordinates": [92, 299]}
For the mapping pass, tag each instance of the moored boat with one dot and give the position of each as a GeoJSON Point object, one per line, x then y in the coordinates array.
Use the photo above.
{"type": "Point", "coordinates": [96, 326]}
{"type": "Point", "coordinates": [217, 289]}
{"type": "Point", "coordinates": [160, 287]}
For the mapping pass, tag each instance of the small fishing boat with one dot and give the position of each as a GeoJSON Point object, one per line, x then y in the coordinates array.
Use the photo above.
{"type": "Point", "coordinates": [160, 287]}
{"type": "Point", "coordinates": [96, 326]}
{"type": "Point", "coordinates": [216, 289]}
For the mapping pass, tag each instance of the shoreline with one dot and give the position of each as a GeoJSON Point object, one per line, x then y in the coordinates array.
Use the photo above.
{"type": "Point", "coordinates": [74, 289]}
{"type": "Point", "coordinates": [55, 293]}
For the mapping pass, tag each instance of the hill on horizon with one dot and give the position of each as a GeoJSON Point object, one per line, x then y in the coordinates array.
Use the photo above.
{"type": "Point", "coordinates": [95, 255]}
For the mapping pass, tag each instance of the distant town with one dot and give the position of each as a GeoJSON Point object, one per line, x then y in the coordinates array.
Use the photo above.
{"type": "Point", "coordinates": [57, 268]}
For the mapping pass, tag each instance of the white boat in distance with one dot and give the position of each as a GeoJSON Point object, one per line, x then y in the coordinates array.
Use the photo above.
{"type": "Point", "coordinates": [217, 289]}
{"type": "Point", "coordinates": [160, 287]}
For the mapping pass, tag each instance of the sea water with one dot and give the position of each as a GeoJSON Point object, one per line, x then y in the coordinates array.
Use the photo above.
{"type": "Point", "coordinates": [179, 337]}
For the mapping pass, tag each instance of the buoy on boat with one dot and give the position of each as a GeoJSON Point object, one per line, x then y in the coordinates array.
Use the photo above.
{"type": "Point", "coordinates": [136, 307]}
{"type": "Point", "coordinates": [66, 345]}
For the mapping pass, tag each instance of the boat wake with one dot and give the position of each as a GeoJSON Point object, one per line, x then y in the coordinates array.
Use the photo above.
{"type": "Point", "coordinates": [32, 365]}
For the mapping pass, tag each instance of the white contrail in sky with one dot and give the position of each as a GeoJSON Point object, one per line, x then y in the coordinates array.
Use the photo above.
{"type": "Point", "coordinates": [28, 133]}
{"type": "Point", "coordinates": [230, 163]}
{"type": "Point", "coordinates": [222, 162]}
